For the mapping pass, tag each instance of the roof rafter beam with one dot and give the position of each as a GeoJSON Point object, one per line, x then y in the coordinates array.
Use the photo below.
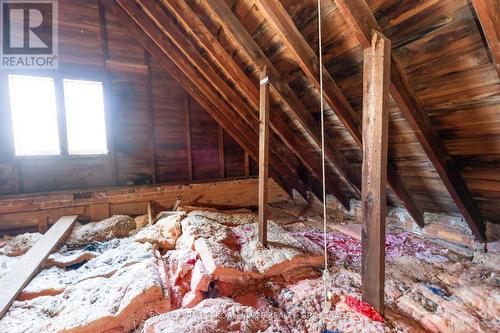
{"type": "Point", "coordinates": [277, 16]}
{"type": "Point", "coordinates": [489, 17]}
{"type": "Point", "coordinates": [206, 97]}
{"type": "Point", "coordinates": [197, 29]}
{"type": "Point", "coordinates": [298, 111]}
{"type": "Point", "coordinates": [361, 19]}
{"type": "Point", "coordinates": [156, 14]}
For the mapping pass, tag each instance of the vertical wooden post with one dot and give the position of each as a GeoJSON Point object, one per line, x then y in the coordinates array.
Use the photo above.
{"type": "Point", "coordinates": [151, 116]}
{"type": "Point", "coordinates": [376, 80]}
{"type": "Point", "coordinates": [187, 131]}
{"type": "Point", "coordinates": [246, 163]}
{"type": "Point", "coordinates": [222, 164]}
{"type": "Point", "coordinates": [109, 114]}
{"type": "Point", "coordinates": [263, 153]}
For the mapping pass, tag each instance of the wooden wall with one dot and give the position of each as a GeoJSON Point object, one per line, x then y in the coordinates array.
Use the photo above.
{"type": "Point", "coordinates": [157, 133]}
{"type": "Point", "coordinates": [32, 212]}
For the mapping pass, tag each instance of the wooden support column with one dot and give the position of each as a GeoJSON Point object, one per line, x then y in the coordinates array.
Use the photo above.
{"type": "Point", "coordinates": [222, 164]}
{"type": "Point", "coordinates": [376, 81]}
{"type": "Point", "coordinates": [103, 26]}
{"type": "Point", "coordinates": [362, 21]}
{"type": "Point", "coordinates": [263, 154]}
{"type": "Point", "coordinates": [187, 131]}
{"type": "Point", "coordinates": [246, 163]}
{"type": "Point", "coordinates": [151, 115]}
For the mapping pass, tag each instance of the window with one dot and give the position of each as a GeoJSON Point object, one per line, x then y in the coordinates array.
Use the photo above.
{"type": "Point", "coordinates": [85, 118]}
{"type": "Point", "coordinates": [34, 115]}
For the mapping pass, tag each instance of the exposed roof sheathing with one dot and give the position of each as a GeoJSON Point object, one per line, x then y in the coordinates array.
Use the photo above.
{"type": "Point", "coordinates": [444, 136]}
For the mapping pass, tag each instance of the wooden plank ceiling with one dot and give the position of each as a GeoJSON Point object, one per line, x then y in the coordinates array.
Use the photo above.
{"type": "Point", "coordinates": [444, 131]}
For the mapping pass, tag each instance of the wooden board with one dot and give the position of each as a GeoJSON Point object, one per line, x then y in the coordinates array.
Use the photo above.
{"type": "Point", "coordinates": [19, 276]}
{"type": "Point", "coordinates": [263, 155]}
{"type": "Point", "coordinates": [377, 62]}
{"type": "Point", "coordinates": [22, 212]}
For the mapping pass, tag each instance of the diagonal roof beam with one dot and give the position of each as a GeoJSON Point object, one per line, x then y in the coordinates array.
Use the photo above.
{"type": "Point", "coordinates": [155, 33]}
{"type": "Point", "coordinates": [489, 17]}
{"type": "Point", "coordinates": [277, 16]}
{"type": "Point", "coordinates": [156, 14]}
{"type": "Point", "coordinates": [204, 95]}
{"type": "Point", "coordinates": [234, 28]}
{"type": "Point", "coordinates": [200, 33]}
{"type": "Point", "coordinates": [361, 19]}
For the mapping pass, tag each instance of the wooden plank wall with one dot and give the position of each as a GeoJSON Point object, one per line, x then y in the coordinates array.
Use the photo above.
{"type": "Point", "coordinates": [147, 122]}
{"type": "Point", "coordinates": [204, 143]}
{"type": "Point", "coordinates": [32, 212]}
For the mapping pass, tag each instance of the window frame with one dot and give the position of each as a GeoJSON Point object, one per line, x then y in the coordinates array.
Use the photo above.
{"type": "Point", "coordinates": [58, 77]}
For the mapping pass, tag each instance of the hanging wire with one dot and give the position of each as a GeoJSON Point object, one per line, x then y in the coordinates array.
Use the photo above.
{"type": "Point", "coordinates": [322, 112]}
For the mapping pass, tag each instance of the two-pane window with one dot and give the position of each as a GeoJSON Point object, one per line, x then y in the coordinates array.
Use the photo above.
{"type": "Point", "coordinates": [35, 120]}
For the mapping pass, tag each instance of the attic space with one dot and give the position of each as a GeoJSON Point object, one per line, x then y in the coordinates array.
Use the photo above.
{"type": "Point", "coordinates": [210, 166]}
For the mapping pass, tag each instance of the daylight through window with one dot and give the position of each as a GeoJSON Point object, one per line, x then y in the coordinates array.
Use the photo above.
{"type": "Point", "coordinates": [34, 118]}
{"type": "Point", "coordinates": [85, 118]}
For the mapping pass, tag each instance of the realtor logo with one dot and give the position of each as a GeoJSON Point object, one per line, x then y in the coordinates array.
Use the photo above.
{"type": "Point", "coordinates": [28, 34]}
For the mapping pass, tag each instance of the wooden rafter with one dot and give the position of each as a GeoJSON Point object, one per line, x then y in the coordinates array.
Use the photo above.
{"type": "Point", "coordinates": [277, 16]}
{"type": "Point", "coordinates": [360, 18]}
{"type": "Point", "coordinates": [298, 147]}
{"type": "Point", "coordinates": [163, 51]}
{"type": "Point", "coordinates": [169, 28]}
{"type": "Point", "coordinates": [278, 87]}
{"type": "Point", "coordinates": [489, 16]}
{"type": "Point", "coordinates": [191, 23]}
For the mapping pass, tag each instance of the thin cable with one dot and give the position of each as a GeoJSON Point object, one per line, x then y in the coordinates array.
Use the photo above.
{"type": "Point", "coordinates": [323, 172]}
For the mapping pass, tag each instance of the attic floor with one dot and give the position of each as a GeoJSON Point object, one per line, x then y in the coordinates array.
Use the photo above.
{"type": "Point", "coordinates": [204, 271]}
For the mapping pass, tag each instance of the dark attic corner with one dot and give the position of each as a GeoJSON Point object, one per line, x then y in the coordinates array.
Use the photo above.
{"type": "Point", "coordinates": [249, 166]}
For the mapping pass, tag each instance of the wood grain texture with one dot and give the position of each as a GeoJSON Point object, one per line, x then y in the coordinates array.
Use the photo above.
{"type": "Point", "coordinates": [377, 63]}
{"type": "Point", "coordinates": [220, 142]}
{"type": "Point", "coordinates": [308, 61]}
{"type": "Point", "coordinates": [144, 108]}
{"type": "Point", "coordinates": [488, 12]}
{"type": "Point", "coordinates": [157, 15]}
{"type": "Point", "coordinates": [362, 21]}
{"type": "Point", "coordinates": [166, 54]}
{"type": "Point", "coordinates": [24, 213]}
{"type": "Point", "coordinates": [18, 277]}
{"type": "Point", "coordinates": [299, 113]}
{"type": "Point", "coordinates": [443, 57]}
{"type": "Point", "coordinates": [263, 154]}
